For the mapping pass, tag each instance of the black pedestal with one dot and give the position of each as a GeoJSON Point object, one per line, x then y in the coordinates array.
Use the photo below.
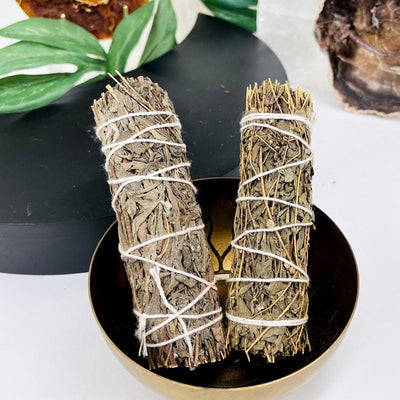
{"type": "Point", "coordinates": [55, 202]}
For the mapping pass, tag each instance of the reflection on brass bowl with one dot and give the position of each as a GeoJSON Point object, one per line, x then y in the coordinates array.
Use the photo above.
{"type": "Point", "coordinates": [333, 297]}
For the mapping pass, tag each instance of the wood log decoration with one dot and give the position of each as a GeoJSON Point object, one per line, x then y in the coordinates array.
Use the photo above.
{"type": "Point", "coordinates": [362, 38]}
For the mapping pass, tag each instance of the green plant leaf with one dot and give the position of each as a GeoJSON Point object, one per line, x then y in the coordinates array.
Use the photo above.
{"type": "Point", "coordinates": [24, 55]}
{"type": "Point", "coordinates": [27, 92]}
{"type": "Point", "coordinates": [244, 17]}
{"type": "Point", "coordinates": [233, 3]}
{"type": "Point", "coordinates": [126, 37]}
{"type": "Point", "coordinates": [57, 33]}
{"type": "Point", "coordinates": [162, 35]}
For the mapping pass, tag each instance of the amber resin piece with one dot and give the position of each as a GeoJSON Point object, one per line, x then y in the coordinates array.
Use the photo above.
{"type": "Point", "coordinates": [99, 17]}
{"type": "Point", "coordinates": [362, 38]}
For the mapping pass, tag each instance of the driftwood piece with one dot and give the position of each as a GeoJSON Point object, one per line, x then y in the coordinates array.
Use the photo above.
{"type": "Point", "coordinates": [362, 38]}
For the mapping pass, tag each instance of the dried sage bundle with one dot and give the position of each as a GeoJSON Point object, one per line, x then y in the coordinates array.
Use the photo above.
{"type": "Point", "coordinates": [162, 241]}
{"type": "Point", "coordinates": [267, 304]}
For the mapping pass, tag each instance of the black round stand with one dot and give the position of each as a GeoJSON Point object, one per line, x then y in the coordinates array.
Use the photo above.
{"type": "Point", "coordinates": [55, 202]}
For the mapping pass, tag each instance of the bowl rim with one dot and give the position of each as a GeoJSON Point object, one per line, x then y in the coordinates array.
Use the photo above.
{"type": "Point", "coordinates": [233, 389]}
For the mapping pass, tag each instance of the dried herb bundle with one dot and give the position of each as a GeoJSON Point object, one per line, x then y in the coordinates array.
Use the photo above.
{"type": "Point", "coordinates": [280, 294]}
{"type": "Point", "coordinates": [150, 208]}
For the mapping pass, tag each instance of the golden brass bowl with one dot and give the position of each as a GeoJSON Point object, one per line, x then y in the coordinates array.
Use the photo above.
{"type": "Point", "coordinates": [333, 297]}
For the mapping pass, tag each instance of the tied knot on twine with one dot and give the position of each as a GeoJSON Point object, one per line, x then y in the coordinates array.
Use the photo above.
{"type": "Point", "coordinates": [250, 121]}
{"type": "Point", "coordinates": [142, 332]}
{"type": "Point", "coordinates": [110, 149]}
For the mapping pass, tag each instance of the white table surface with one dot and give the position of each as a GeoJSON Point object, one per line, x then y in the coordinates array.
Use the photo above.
{"type": "Point", "coordinates": [51, 347]}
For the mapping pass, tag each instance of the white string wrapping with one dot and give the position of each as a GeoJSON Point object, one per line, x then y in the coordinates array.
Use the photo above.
{"type": "Point", "coordinates": [271, 171]}
{"type": "Point", "coordinates": [267, 323]}
{"type": "Point", "coordinates": [115, 146]}
{"type": "Point", "coordinates": [275, 200]}
{"type": "Point", "coordinates": [110, 150]}
{"type": "Point", "coordinates": [247, 122]}
{"type": "Point", "coordinates": [130, 115]}
{"type": "Point", "coordinates": [285, 117]}
{"type": "Point", "coordinates": [122, 182]}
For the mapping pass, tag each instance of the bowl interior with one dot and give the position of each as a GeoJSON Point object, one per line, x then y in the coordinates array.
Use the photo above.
{"type": "Point", "coordinates": [333, 294]}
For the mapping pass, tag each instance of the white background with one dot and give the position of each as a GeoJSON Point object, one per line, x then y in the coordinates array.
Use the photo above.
{"type": "Point", "coordinates": [51, 347]}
